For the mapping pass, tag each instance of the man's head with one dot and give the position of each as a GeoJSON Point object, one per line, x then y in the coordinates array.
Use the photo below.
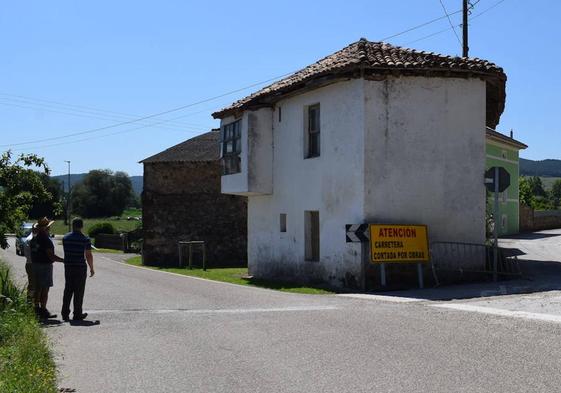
{"type": "Point", "coordinates": [77, 224]}
{"type": "Point", "coordinates": [43, 224]}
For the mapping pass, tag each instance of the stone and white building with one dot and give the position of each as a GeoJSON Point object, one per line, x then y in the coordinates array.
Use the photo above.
{"type": "Point", "coordinates": [373, 133]}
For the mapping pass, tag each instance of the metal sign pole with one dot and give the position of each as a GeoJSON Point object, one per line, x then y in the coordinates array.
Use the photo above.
{"type": "Point", "coordinates": [495, 226]}
{"type": "Point", "coordinates": [364, 248]}
{"type": "Point", "coordinates": [383, 274]}
{"type": "Point", "coordinates": [420, 274]}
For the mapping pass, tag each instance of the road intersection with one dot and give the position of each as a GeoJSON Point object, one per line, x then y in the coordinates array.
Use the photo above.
{"type": "Point", "coordinates": [162, 332]}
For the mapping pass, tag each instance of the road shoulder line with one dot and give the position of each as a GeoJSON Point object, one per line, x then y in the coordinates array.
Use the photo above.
{"type": "Point", "coordinates": [383, 298]}
{"type": "Point", "coordinates": [500, 312]}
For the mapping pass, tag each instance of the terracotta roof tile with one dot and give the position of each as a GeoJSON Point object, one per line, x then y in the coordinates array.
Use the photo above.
{"type": "Point", "coordinates": [378, 59]}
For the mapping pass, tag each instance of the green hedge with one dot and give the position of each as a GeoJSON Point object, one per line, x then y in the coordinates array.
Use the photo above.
{"type": "Point", "coordinates": [102, 227]}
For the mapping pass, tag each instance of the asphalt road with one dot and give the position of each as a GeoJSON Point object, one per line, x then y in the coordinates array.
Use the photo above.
{"type": "Point", "coordinates": [160, 332]}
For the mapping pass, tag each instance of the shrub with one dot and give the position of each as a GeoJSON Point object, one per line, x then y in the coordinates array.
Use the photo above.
{"type": "Point", "coordinates": [102, 227]}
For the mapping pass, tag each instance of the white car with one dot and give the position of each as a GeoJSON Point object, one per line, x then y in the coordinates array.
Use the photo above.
{"type": "Point", "coordinates": [23, 232]}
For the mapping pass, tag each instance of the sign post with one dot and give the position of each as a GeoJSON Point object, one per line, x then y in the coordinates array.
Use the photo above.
{"type": "Point", "coordinates": [495, 226]}
{"type": "Point", "coordinates": [497, 179]}
{"type": "Point", "coordinates": [391, 243]}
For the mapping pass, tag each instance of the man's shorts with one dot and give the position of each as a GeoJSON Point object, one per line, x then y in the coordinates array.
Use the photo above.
{"type": "Point", "coordinates": [43, 275]}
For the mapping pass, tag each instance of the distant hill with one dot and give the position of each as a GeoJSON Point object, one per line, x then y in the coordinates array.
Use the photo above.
{"type": "Point", "coordinates": [544, 168]}
{"type": "Point", "coordinates": [136, 181]}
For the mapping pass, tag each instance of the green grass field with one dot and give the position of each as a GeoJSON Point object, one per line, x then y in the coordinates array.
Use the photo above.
{"type": "Point", "coordinates": [548, 182]}
{"type": "Point", "coordinates": [121, 224]}
{"type": "Point", "coordinates": [236, 276]}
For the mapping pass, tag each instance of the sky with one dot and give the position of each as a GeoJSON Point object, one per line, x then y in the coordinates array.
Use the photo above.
{"type": "Point", "coordinates": [92, 69]}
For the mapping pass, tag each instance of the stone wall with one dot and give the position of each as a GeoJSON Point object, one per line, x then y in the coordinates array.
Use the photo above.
{"type": "Point", "coordinates": [531, 220]}
{"type": "Point", "coordinates": [182, 201]}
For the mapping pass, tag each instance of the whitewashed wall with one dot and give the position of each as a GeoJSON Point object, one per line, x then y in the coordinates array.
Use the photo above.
{"type": "Point", "coordinates": [409, 149]}
{"type": "Point", "coordinates": [330, 183]}
{"type": "Point", "coordinates": [425, 155]}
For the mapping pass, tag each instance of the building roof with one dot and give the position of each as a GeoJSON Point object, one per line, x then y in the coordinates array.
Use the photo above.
{"type": "Point", "coordinates": [204, 147]}
{"type": "Point", "coordinates": [377, 60]}
{"type": "Point", "coordinates": [498, 137]}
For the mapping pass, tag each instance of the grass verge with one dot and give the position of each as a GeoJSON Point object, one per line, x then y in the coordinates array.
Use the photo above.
{"type": "Point", "coordinates": [235, 275]}
{"type": "Point", "coordinates": [107, 250]}
{"type": "Point", "coordinates": [26, 363]}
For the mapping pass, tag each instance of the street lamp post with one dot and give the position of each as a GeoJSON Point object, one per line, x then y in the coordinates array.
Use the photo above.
{"type": "Point", "coordinates": [68, 199]}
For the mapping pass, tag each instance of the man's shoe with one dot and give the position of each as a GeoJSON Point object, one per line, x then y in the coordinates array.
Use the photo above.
{"type": "Point", "coordinates": [47, 315]}
{"type": "Point", "coordinates": [65, 318]}
{"type": "Point", "coordinates": [80, 317]}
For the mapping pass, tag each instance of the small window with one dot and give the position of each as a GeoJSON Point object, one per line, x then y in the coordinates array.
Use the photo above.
{"type": "Point", "coordinates": [280, 114]}
{"type": "Point", "coordinates": [313, 131]}
{"type": "Point", "coordinates": [503, 153]}
{"type": "Point", "coordinates": [231, 148]}
{"type": "Point", "coordinates": [311, 229]}
{"type": "Point", "coordinates": [283, 222]}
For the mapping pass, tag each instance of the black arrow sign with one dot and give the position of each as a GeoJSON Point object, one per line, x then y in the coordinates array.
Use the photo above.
{"type": "Point", "coordinates": [356, 233]}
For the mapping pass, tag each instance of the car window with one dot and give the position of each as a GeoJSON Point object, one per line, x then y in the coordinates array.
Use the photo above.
{"type": "Point", "coordinates": [24, 230]}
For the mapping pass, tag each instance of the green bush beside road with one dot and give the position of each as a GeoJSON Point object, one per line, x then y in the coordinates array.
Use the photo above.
{"type": "Point", "coordinates": [26, 363]}
{"type": "Point", "coordinates": [102, 227]}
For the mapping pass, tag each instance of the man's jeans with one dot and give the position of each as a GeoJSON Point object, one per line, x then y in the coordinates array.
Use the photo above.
{"type": "Point", "coordinates": [75, 277]}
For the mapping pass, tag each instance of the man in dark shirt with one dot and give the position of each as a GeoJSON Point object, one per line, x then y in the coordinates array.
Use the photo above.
{"type": "Point", "coordinates": [42, 258]}
{"type": "Point", "coordinates": [77, 251]}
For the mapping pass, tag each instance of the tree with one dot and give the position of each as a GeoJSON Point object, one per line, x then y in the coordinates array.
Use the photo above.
{"type": "Point", "coordinates": [525, 192]}
{"type": "Point", "coordinates": [102, 193]}
{"type": "Point", "coordinates": [20, 187]}
{"type": "Point", "coordinates": [536, 186]}
{"type": "Point", "coordinates": [51, 207]}
{"type": "Point", "coordinates": [556, 193]}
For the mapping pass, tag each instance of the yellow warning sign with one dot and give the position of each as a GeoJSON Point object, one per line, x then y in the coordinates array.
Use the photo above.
{"type": "Point", "coordinates": [398, 243]}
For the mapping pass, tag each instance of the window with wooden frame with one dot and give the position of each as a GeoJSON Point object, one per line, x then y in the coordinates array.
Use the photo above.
{"type": "Point", "coordinates": [311, 233]}
{"type": "Point", "coordinates": [283, 222]}
{"type": "Point", "coordinates": [231, 148]}
{"type": "Point", "coordinates": [313, 131]}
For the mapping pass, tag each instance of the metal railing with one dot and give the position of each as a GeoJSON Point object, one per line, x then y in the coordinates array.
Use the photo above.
{"type": "Point", "coordinates": [471, 258]}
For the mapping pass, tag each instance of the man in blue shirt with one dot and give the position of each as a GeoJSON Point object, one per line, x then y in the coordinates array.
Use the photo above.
{"type": "Point", "coordinates": [77, 251]}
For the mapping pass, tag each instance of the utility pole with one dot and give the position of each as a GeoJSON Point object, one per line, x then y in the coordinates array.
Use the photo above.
{"type": "Point", "coordinates": [68, 199]}
{"type": "Point", "coordinates": [465, 29]}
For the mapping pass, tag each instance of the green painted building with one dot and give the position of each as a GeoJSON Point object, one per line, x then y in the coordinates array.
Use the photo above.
{"type": "Point", "coordinates": [502, 150]}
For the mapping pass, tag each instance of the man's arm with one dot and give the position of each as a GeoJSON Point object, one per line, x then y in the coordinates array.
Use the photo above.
{"type": "Point", "coordinates": [52, 256]}
{"type": "Point", "coordinates": [89, 259]}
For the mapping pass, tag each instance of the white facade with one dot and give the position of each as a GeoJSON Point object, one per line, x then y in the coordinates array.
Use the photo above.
{"type": "Point", "coordinates": [402, 150]}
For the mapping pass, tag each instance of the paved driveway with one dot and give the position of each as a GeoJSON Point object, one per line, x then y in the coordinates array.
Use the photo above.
{"type": "Point", "coordinates": [165, 333]}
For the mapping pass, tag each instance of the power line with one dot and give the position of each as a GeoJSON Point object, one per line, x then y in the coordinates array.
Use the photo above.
{"type": "Point", "coordinates": [487, 9]}
{"type": "Point", "coordinates": [419, 26]}
{"type": "Point", "coordinates": [169, 127]}
{"type": "Point", "coordinates": [69, 107]}
{"type": "Point", "coordinates": [447, 29]}
{"type": "Point", "coordinates": [103, 135]}
{"type": "Point", "coordinates": [431, 35]}
{"type": "Point", "coordinates": [215, 97]}
{"type": "Point", "coordinates": [450, 21]}
{"type": "Point", "coordinates": [145, 117]}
